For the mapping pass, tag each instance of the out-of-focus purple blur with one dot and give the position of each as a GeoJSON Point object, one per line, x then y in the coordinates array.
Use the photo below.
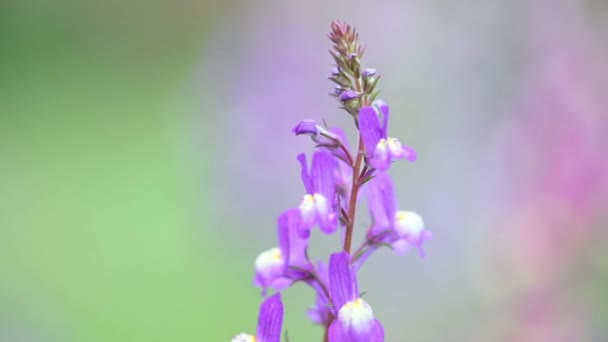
{"type": "Point", "coordinates": [507, 106]}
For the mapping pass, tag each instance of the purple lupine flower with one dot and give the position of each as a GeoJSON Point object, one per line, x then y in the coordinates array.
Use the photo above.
{"type": "Point", "coordinates": [355, 320]}
{"type": "Point", "coordinates": [272, 267]}
{"type": "Point", "coordinates": [270, 322]}
{"type": "Point", "coordinates": [318, 205]}
{"type": "Point", "coordinates": [381, 149]}
{"type": "Point", "coordinates": [348, 95]}
{"type": "Point", "coordinates": [401, 229]}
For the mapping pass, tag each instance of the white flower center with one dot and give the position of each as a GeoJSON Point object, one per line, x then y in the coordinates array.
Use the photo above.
{"type": "Point", "coordinates": [244, 338]}
{"type": "Point", "coordinates": [408, 223]}
{"type": "Point", "coordinates": [382, 145]}
{"type": "Point", "coordinates": [267, 259]}
{"type": "Point", "coordinates": [308, 203]}
{"type": "Point", "coordinates": [321, 204]}
{"type": "Point", "coordinates": [394, 146]}
{"type": "Point", "coordinates": [357, 314]}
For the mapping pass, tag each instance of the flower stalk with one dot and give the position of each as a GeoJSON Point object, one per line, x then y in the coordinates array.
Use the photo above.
{"type": "Point", "coordinates": [332, 185]}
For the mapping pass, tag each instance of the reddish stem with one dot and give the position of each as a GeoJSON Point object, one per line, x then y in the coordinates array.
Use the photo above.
{"type": "Point", "coordinates": [352, 205]}
{"type": "Point", "coordinates": [330, 319]}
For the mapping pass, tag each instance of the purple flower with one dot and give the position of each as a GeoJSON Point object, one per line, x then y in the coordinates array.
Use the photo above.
{"type": "Point", "coordinates": [355, 320]}
{"type": "Point", "coordinates": [270, 322]}
{"type": "Point", "coordinates": [272, 267]}
{"type": "Point", "coordinates": [348, 95]}
{"type": "Point", "coordinates": [318, 205]}
{"type": "Point", "coordinates": [401, 229]}
{"type": "Point", "coordinates": [381, 149]}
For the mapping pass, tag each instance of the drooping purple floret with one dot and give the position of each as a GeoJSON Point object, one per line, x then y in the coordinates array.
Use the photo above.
{"type": "Point", "coordinates": [354, 318]}
{"type": "Point", "coordinates": [381, 149]}
{"type": "Point", "coordinates": [319, 203]}
{"type": "Point", "coordinates": [381, 203]}
{"type": "Point", "coordinates": [291, 244]}
{"type": "Point", "coordinates": [401, 229]}
{"type": "Point", "coordinates": [273, 267]}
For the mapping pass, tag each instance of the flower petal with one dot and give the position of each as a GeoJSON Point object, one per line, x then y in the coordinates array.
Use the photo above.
{"type": "Point", "coordinates": [269, 266]}
{"type": "Point", "coordinates": [283, 234]}
{"type": "Point", "coordinates": [296, 246]}
{"type": "Point", "coordinates": [305, 175]}
{"type": "Point", "coordinates": [381, 159]}
{"type": "Point", "coordinates": [369, 127]}
{"type": "Point", "coordinates": [322, 174]}
{"type": "Point", "coordinates": [270, 320]}
{"type": "Point", "coordinates": [385, 110]}
{"type": "Point", "coordinates": [356, 323]}
{"type": "Point", "coordinates": [399, 151]}
{"type": "Point", "coordinates": [342, 280]}
{"type": "Point", "coordinates": [381, 202]}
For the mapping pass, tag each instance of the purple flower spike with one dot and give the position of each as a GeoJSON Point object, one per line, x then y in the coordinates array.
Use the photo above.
{"type": "Point", "coordinates": [318, 205]}
{"type": "Point", "coordinates": [307, 127]}
{"type": "Point", "coordinates": [270, 322]}
{"type": "Point", "coordinates": [381, 149]}
{"type": "Point", "coordinates": [348, 95]}
{"type": "Point", "coordinates": [355, 320]}
{"type": "Point", "coordinates": [272, 266]}
{"type": "Point", "coordinates": [335, 71]}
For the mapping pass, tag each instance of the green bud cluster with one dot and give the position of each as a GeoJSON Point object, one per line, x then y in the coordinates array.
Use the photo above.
{"type": "Point", "coordinates": [348, 73]}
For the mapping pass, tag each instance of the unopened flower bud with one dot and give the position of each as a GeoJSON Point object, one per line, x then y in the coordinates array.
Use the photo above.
{"type": "Point", "coordinates": [307, 127]}
{"type": "Point", "coordinates": [369, 72]}
{"type": "Point", "coordinates": [348, 95]}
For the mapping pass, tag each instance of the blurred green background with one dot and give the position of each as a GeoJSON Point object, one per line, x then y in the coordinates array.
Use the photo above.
{"type": "Point", "coordinates": [99, 240]}
{"type": "Point", "coordinates": [136, 196]}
